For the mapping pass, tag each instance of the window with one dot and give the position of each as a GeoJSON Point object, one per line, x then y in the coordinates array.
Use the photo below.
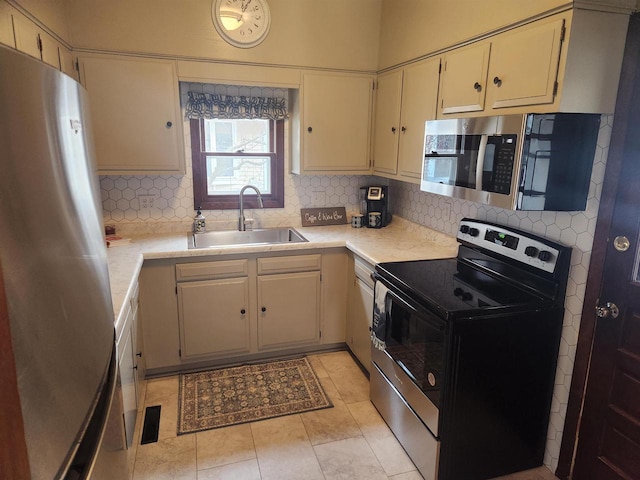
{"type": "Point", "coordinates": [230, 153]}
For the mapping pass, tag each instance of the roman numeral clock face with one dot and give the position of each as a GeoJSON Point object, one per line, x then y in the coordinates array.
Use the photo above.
{"type": "Point", "coordinates": [242, 23]}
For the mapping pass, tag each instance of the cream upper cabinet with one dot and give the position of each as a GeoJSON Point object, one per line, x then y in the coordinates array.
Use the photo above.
{"type": "Point", "coordinates": [135, 112]}
{"type": "Point", "coordinates": [568, 62]}
{"type": "Point", "coordinates": [6, 25]}
{"type": "Point", "coordinates": [67, 63]}
{"type": "Point", "coordinates": [334, 122]}
{"type": "Point", "coordinates": [516, 68]}
{"type": "Point", "coordinates": [405, 99]}
{"type": "Point", "coordinates": [463, 80]}
{"type": "Point", "coordinates": [419, 102]}
{"type": "Point", "coordinates": [387, 123]}
{"type": "Point", "coordinates": [524, 65]}
{"type": "Point", "coordinates": [27, 36]}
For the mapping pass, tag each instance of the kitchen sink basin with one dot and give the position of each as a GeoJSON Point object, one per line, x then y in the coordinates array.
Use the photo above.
{"type": "Point", "coordinates": [231, 238]}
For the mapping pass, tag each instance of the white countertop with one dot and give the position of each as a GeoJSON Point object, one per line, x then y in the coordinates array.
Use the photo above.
{"type": "Point", "coordinates": [399, 241]}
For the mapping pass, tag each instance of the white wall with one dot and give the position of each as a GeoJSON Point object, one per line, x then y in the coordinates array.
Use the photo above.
{"type": "Point", "coordinates": [413, 28]}
{"type": "Point", "coordinates": [336, 34]}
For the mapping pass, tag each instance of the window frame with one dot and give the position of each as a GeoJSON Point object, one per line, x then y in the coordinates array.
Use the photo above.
{"type": "Point", "coordinates": [204, 201]}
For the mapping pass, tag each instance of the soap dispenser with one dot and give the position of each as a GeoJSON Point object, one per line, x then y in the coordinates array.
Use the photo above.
{"type": "Point", "coordinates": [199, 223]}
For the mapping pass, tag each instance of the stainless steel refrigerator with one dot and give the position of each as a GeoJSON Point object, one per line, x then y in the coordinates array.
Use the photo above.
{"type": "Point", "coordinates": [54, 265]}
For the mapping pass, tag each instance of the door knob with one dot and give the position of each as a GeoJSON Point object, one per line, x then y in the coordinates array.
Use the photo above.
{"type": "Point", "coordinates": [621, 243]}
{"type": "Point", "coordinates": [497, 81]}
{"type": "Point", "coordinates": [610, 310]}
{"type": "Point", "coordinates": [477, 87]}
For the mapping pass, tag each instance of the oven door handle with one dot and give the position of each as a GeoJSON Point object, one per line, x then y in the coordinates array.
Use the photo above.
{"type": "Point", "coordinates": [423, 315]}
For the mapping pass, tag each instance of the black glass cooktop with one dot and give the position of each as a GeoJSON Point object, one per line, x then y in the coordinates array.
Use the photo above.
{"type": "Point", "coordinates": [451, 287]}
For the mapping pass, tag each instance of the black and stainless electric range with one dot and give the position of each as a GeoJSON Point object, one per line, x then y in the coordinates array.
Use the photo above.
{"type": "Point", "coordinates": [464, 351]}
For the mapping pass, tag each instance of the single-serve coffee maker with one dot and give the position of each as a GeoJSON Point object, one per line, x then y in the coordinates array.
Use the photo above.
{"type": "Point", "coordinates": [374, 206]}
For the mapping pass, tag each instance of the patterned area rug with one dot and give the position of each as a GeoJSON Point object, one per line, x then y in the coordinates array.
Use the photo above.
{"type": "Point", "coordinates": [219, 398]}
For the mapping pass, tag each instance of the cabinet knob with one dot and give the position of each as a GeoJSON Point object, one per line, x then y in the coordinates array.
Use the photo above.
{"type": "Point", "coordinates": [264, 309]}
{"type": "Point", "coordinates": [169, 124]}
{"type": "Point", "coordinates": [243, 311]}
{"type": "Point", "coordinates": [496, 81]}
{"type": "Point", "coordinates": [477, 87]}
{"type": "Point", "coordinates": [139, 354]}
{"type": "Point", "coordinates": [393, 129]}
{"type": "Point", "coordinates": [404, 129]}
{"type": "Point", "coordinates": [309, 129]}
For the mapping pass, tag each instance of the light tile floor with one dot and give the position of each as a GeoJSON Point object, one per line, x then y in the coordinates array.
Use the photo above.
{"type": "Point", "coordinates": [349, 441]}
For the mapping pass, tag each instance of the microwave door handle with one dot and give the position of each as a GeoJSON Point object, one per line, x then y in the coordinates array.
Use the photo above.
{"type": "Point", "coordinates": [480, 164]}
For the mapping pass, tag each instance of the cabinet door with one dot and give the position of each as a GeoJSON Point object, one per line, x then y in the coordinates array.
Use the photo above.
{"type": "Point", "coordinates": [128, 382]}
{"type": "Point", "coordinates": [524, 65]}
{"type": "Point", "coordinates": [214, 317]}
{"type": "Point", "coordinates": [359, 321]}
{"type": "Point", "coordinates": [6, 25]}
{"type": "Point", "coordinates": [67, 64]}
{"type": "Point", "coordinates": [463, 81]}
{"type": "Point", "coordinates": [288, 309]}
{"type": "Point", "coordinates": [387, 127]}
{"type": "Point", "coordinates": [27, 38]}
{"type": "Point", "coordinates": [419, 103]}
{"type": "Point", "coordinates": [135, 114]}
{"type": "Point", "coordinates": [336, 123]}
{"type": "Point", "coordinates": [50, 54]}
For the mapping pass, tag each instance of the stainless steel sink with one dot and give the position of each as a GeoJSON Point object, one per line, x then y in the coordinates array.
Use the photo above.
{"type": "Point", "coordinates": [231, 238]}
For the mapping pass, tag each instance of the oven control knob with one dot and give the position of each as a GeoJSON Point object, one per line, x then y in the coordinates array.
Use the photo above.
{"type": "Point", "coordinates": [544, 255]}
{"type": "Point", "coordinates": [466, 296]}
{"type": "Point", "coordinates": [531, 251]}
{"type": "Point", "coordinates": [464, 229]}
{"type": "Point", "coordinates": [474, 232]}
{"type": "Point", "coordinates": [458, 292]}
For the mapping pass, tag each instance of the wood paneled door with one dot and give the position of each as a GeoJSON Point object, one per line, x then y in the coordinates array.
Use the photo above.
{"type": "Point", "coordinates": [608, 440]}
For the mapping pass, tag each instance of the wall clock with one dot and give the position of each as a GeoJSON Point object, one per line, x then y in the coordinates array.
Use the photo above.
{"type": "Point", "coordinates": [241, 23]}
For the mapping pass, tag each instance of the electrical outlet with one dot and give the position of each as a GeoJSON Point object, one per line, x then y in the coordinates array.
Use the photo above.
{"type": "Point", "coordinates": [319, 198]}
{"type": "Point", "coordinates": [446, 211]}
{"type": "Point", "coordinates": [146, 201]}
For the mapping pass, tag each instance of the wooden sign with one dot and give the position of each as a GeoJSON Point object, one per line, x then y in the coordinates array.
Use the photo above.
{"type": "Point", "coordinates": [313, 217]}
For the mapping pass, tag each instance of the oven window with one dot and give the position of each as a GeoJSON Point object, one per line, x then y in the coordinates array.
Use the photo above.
{"type": "Point", "coordinates": [416, 344]}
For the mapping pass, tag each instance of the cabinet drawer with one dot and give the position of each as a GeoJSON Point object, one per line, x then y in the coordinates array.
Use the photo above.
{"type": "Point", "coordinates": [294, 263]}
{"type": "Point", "coordinates": [363, 271]}
{"type": "Point", "coordinates": [213, 270]}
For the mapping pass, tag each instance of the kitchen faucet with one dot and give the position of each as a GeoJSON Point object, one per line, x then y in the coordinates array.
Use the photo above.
{"type": "Point", "coordinates": [241, 225]}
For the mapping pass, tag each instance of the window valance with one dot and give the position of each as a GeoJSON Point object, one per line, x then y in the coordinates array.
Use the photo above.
{"type": "Point", "coordinates": [223, 105]}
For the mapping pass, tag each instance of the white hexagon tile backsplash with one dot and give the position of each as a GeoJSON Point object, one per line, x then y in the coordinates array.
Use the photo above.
{"type": "Point", "coordinates": [173, 212]}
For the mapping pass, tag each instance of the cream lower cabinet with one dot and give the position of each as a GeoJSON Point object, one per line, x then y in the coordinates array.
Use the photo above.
{"type": "Point", "coordinates": [130, 365]}
{"type": "Point", "coordinates": [214, 317]}
{"type": "Point", "coordinates": [210, 312]}
{"type": "Point", "coordinates": [135, 113]}
{"type": "Point", "coordinates": [288, 301]}
{"type": "Point", "coordinates": [333, 115]}
{"type": "Point", "coordinates": [214, 309]}
{"type": "Point", "coordinates": [360, 309]}
{"type": "Point", "coordinates": [405, 100]}
{"type": "Point", "coordinates": [289, 310]}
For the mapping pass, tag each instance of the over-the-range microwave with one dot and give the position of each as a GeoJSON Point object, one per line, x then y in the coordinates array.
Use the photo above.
{"type": "Point", "coordinates": [517, 162]}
